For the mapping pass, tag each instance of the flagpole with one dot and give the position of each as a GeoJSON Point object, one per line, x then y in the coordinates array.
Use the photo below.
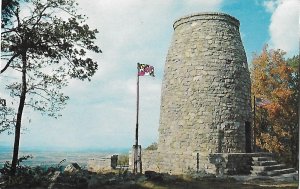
{"type": "Point", "coordinates": [137, 110]}
{"type": "Point", "coordinates": [135, 166]}
{"type": "Point", "coordinates": [142, 69]}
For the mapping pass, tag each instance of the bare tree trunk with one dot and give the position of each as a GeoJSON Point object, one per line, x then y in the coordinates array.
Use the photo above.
{"type": "Point", "coordinates": [19, 116]}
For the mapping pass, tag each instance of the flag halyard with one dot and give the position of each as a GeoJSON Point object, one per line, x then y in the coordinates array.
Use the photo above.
{"type": "Point", "coordinates": [145, 70]}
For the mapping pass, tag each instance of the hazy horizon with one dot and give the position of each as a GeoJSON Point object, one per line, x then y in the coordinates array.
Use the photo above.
{"type": "Point", "coordinates": [5, 148]}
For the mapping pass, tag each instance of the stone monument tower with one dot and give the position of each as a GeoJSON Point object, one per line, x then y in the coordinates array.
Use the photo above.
{"type": "Point", "coordinates": [205, 100]}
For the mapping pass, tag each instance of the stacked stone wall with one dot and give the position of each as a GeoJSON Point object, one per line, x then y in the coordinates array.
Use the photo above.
{"type": "Point", "coordinates": [99, 165]}
{"type": "Point", "coordinates": [172, 163]}
{"type": "Point", "coordinates": [151, 160]}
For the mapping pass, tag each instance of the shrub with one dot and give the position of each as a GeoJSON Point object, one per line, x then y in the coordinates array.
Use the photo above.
{"type": "Point", "coordinates": [152, 146]}
{"type": "Point", "coordinates": [123, 160]}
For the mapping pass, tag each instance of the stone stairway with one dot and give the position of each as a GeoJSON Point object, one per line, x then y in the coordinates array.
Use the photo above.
{"type": "Point", "coordinates": [266, 166]}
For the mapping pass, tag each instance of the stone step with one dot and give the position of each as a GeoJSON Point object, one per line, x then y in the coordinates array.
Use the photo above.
{"type": "Point", "coordinates": [258, 173]}
{"type": "Point", "coordinates": [256, 159]}
{"type": "Point", "coordinates": [264, 163]}
{"type": "Point", "coordinates": [273, 172]}
{"type": "Point", "coordinates": [287, 177]}
{"type": "Point", "coordinates": [280, 172]}
{"type": "Point", "coordinates": [266, 166]}
{"type": "Point", "coordinates": [269, 167]}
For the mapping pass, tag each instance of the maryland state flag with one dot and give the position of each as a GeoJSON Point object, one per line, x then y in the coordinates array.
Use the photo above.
{"type": "Point", "coordinates": [145, 69]}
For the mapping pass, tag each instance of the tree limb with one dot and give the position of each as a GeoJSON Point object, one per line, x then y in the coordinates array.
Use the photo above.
{"type": "Point", "coordinates": [33, 106]}
{"type": "Point", "coordinates": [8, 30]}
{"type": "Point", "coordinates": [8, 63]}
{"type": "Point", "coordinates": [40, 95]}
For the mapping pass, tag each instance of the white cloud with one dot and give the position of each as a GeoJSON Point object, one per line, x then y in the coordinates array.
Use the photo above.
{"type": "Point", "coordinates": [270, 5]}
{"type": "Point", "coordinates": [284, 26]}
{"type": "Point", "coordinates": [133, 31]}
{"type": "Point", "coordinates": [102, 113]}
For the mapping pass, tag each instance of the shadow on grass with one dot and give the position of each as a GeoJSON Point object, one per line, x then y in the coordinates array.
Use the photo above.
{"type": "Point", "coordinates": [212, 185]}
{"type": "Point", "coordinates": [177, 182]}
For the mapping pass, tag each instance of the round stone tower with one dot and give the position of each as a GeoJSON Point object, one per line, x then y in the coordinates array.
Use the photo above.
{"type": "Point", "coordinates": [205, 101]}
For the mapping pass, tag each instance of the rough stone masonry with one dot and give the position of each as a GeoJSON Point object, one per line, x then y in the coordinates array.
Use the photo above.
{"type": "Point", "coordinates": [205, 101]}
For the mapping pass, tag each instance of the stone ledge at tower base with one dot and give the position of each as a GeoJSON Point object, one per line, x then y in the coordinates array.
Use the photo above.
{"type": "Point", "coordinates": [234, 163]}
{"type": "Point", "coordinates": [213, 163]}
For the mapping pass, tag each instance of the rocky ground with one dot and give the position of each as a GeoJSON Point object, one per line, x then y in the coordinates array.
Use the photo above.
{"type": "Point", "coordinates": [73, 177]}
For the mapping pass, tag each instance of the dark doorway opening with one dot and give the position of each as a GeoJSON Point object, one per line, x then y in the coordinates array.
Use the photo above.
{"type": "Point", "coordinates": [248, 136]}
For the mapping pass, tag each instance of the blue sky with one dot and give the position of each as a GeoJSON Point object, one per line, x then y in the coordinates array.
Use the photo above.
{"type": "Point", "coordinates": [101, 113]}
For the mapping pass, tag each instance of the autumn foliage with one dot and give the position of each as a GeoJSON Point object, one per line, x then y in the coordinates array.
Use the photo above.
{"type": "Point", "coordinates": [275, 85]}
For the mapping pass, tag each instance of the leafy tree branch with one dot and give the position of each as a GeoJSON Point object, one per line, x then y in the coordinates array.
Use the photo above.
{"type": "Point", "coordinates": [48, 46]}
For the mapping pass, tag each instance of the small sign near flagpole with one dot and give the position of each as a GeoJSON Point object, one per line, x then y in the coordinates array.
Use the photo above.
{"type": "Point", "coordinates": [142, 70]}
